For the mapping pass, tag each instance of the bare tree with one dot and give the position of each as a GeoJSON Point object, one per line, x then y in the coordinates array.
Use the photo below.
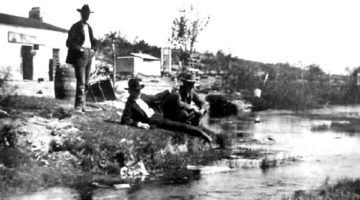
{"type": "Point", "coordinates": [186, 29]}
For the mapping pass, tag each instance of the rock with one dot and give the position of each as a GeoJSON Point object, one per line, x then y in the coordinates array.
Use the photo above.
{"type": "Point", "coordinates": [8, 137]}
{"type": "Point", "coordinates": [220, 106]}
{"type": "Point", "coordinates": [54, 133]}
{"type": "Point", "coordinates": [62, 113]}
{"type": "Point", "coordinates": [241, 105]}
{"type": "Point", "coordinates": [258, 104]}
{"type": "Point", "coordinates": [109, 181]}
{"type": "Point", "coordinates": [179, 176]}
{"type": "Point", "coordinates": [3, 114]}
{"type": "Point", "coordinates": [154, 81]}
{"type": "Point", "coordinates": [12, 157]}
{"type": "Point", "coordinates": [122, 186]}
{"type": "Point", "coordinates": [99, 185]}
{"type": "Point", "coordinates": [87, 163]}
{"type": "Point", "coordinates": [223, 141]}
{"type": "Point", "coordinates": [271, 139]}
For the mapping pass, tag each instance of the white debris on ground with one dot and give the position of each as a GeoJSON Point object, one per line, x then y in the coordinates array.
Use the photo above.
{"type": "Point", "coordinates": [134, 171]}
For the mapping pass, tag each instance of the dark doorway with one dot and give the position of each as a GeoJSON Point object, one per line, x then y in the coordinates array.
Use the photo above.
{"type": "Point", "coordinates": [54, 63]}
{"type": "Point", "coordinates": [27, 62]}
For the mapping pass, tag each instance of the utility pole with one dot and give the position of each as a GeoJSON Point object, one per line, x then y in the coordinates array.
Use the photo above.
{"type": "Point", "coordinates": [114, 68]}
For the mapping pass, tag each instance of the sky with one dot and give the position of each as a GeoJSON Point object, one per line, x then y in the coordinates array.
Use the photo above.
{"type": "Point", "coordinates": [299, 32]}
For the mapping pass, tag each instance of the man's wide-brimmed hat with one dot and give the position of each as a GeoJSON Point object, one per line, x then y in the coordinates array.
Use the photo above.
{"type": "Point", "coordinates": [188, 77]}
{"type": "Point", "coordinates": [134, 84]}
{"type": "Point", "coordinates": [85, 9]}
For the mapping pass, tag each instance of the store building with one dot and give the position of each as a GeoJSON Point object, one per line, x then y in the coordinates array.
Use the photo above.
{"type": "Point", "coordinates": [30, 48]}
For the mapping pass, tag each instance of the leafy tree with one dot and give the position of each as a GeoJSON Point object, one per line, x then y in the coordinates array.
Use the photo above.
{"type": "Point", "coordinates": [209, 62]}
{"type": "Point", "coordinates": [315, 73]}
{"type": "Point", "coordinates": [123, 47]}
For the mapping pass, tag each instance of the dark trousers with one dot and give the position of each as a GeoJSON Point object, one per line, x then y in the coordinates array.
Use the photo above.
{"type": "Point", "coordinates": [173, 111]}
{"type": "Point", "coordinates": [190, 117]}
{"type": "Point", "coordinates": [168, 124]}
{"type": "Point", "coordinates": [82, 74]}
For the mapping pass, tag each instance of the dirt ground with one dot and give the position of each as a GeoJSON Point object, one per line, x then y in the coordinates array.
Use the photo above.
{"type": "Point", "coordinates": [46, 88]}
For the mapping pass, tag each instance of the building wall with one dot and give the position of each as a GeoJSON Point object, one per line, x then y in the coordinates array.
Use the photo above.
{"type": "Point", "coordinates": [136, 65]}
{"type": "Point", "coordinates": [152, 68]}
{"type": "Point", "coordinates": [125, 65]}
{"type": "Point", "coordinates": [48, 40]}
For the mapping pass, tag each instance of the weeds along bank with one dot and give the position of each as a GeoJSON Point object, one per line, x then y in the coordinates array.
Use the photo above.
{"type": "Point", "coordinates": [342, 189]}
{"type": "Point", "coordinates": [285, 86]}
{"type": "Point", "coordinates": [297, 95]}
{"type": "Point", "coordinates": [43, 144]}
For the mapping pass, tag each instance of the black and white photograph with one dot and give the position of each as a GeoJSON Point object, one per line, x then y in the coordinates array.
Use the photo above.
{"type": "Point", "coordinates": [179, 100]}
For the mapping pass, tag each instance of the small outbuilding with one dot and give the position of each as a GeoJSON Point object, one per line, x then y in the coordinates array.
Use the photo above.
{"type": "Point", "coordinates": [138, 63]}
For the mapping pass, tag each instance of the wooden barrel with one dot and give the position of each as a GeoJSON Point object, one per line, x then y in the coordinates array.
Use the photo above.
{"type": "Point", "coordinates": [65, 83]}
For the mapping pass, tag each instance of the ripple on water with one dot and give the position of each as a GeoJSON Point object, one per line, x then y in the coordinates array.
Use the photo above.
{"type": "Point", "coordinates": [109, 194]}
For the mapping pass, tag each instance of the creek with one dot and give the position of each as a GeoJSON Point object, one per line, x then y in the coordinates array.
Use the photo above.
{"type": "Point", "coordinates": [299, 157]}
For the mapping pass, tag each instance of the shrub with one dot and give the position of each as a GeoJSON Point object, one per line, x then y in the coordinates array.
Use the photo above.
{"type": "Point", "coordinates": [290, 95]}
{"type": "Point", "coordinates": [5, 75]}
{"type": "Point", "coordinates": [343, 189]}
{"type": "Point", "coordinates": [220, 106]}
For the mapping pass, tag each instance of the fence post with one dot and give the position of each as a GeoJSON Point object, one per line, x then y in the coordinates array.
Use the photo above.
{"type": "Point", "coordinates": [114, 69]}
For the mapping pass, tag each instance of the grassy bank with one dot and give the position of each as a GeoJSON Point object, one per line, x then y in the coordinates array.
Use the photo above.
{"type": "Point", "coordinates": [346, 189]}
{"type": "Point", "coordinates": [351, 127]}
{"type": "Point", "coordinates": [338, 123]}
{"type": "Point", "coordinates": [88, 147]}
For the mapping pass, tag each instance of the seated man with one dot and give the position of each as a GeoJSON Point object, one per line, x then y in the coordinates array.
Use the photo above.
{"type": "Point", "coordinates": [179, 106]}
{"type": "Point", "coordinates": [139, 112]}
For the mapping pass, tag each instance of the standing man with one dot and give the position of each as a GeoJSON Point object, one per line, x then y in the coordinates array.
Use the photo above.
{"type": "Point", "coordinates": [81, 48]}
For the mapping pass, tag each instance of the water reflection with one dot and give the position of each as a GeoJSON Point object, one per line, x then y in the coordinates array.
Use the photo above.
{"type": "Point", "coordinates": [323, 154]}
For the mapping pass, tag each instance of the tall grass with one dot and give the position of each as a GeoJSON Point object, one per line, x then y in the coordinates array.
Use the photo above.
{"type": "Point", "coordinates": [291, 95]}
{"type": "Point", "coordinates": [345, 189]}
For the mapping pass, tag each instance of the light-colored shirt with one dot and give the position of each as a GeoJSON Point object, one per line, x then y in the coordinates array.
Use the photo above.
{"type": "Point", "coordinates": [87, 42]}
{"type": "Point", "coordinates": [145, 107]}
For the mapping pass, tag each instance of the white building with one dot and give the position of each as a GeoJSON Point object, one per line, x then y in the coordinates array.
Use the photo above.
{"type": "Point", "coordinates": [138, 63]}
{"type": "Point", "coordinates": [28, 44]}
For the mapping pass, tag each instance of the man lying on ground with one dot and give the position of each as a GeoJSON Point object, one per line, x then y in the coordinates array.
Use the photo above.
{"type": "Point", "coordinates": [138, 112]}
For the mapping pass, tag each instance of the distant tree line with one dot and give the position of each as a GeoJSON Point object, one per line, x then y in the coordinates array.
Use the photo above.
{"type": "Point", "coordinates": [123, 47]}
{"type": "Point", "coordinates": [283, 85]}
